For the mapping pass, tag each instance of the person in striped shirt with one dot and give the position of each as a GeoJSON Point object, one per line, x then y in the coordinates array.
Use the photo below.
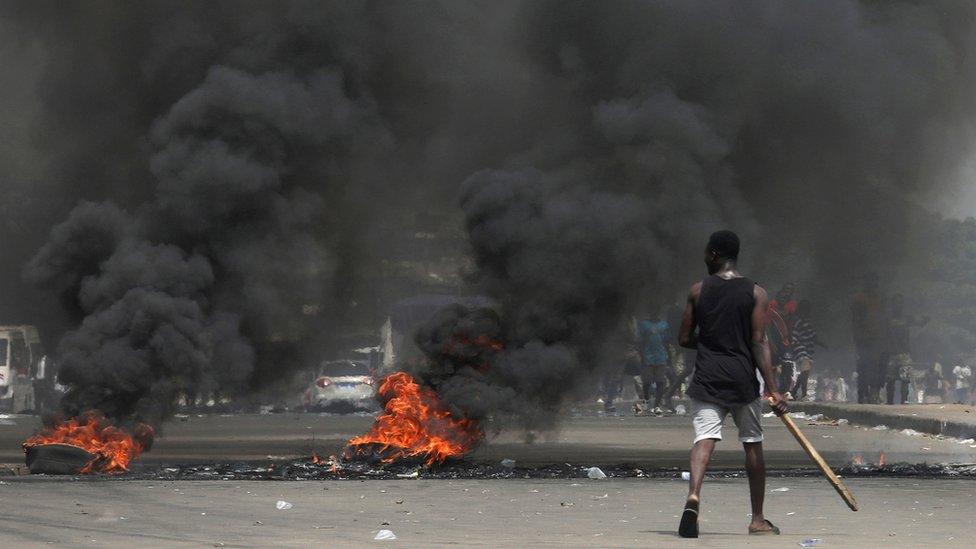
{"type": "Point", "coordinates": [804, 339]}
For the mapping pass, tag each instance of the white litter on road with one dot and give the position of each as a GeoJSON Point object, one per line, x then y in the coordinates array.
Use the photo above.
{"type": "Point", "coordinates": [596, 473]}
{"type": "Point", "coordinates": [783, 489]}
{"type": "Point", "coordinates": [385, 535]}
{"type": "Point", "coordinates": [283, 505]}
{"type": "Point", "coordinates": [685, 475]}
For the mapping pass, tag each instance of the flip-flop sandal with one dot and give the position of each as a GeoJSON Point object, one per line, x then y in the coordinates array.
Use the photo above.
{"type": "Point", "coordinates": [773, 531]}
{"type": "Point", "coordinates": [688, 527]}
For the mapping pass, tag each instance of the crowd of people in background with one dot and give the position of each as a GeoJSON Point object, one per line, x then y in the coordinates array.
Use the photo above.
{"type": "Point", "coordinates": [885, 369]}
{"type": "Point", "coordinates": [882, 333]}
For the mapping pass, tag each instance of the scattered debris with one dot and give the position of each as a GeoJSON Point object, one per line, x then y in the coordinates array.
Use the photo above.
{"type": "Point", "coordinates": [283, 505]}
{"type": "Point", "coordinates": [811, 542]}
{"type": "Point", "coordinates": [566, 504]}
{"type": "Point", "coordinates": [685, 475]}
{"type": "Point", "coordinates": [508, 463]}
{"type": "Point", "coordinates": [305, 469]}
{"type": "Point", "coordinates": [879, 428]}
{"type": "Point", "coordinates": [911, 433]}
{"type": "Point", "coordinates": [791, 513]}
{"type": "Point", "coordinates": [596, 473]}
{"type": "Point", "coordinates": [680, 410]}
{"type": "Point", "coordinates": [842, 421]}
{"type": "Point", "coordinates": [783, 489]}
{"type": "Point", "coordinates": [385, 535]}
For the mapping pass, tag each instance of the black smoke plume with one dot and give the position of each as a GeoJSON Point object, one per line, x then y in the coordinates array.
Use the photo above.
{"type": "Point", "coordinates": [252, 150]}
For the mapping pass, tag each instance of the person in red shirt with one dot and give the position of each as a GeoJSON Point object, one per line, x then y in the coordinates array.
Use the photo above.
{"type": "Point", "coordinates": [784, 303]}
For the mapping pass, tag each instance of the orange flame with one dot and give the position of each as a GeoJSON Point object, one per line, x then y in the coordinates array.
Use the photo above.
{"type": "Point", "coordinates": [416, 424]}
{"type": "Point", "coordinates": [858, 460]}
{"type": "Point", "coordinates": [112, 446]}
{"type": "Point", "coordinates": [881, 460]}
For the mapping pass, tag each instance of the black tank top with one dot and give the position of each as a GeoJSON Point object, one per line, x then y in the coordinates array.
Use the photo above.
{"type": "Point", "coordinates": [724, 371]}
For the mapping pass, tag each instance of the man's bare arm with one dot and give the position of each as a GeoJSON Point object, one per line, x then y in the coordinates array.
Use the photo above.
{"type": "Point", "coordinates": [686, 335]}
{"type": "Point", "coordinates": [760, 349]}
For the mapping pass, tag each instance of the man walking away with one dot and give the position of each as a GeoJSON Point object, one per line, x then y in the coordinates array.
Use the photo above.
{"type": "Point", "coordinates": [804, 340]}
{"type": "Point", "coordinates": [730, 313]}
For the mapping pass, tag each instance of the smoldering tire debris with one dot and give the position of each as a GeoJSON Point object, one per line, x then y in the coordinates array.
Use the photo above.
{"type": "Point", "coordinates": [57, 459]}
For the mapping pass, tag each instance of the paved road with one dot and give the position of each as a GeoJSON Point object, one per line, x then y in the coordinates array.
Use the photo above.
{"type": "Point", "coordinates": [496, 513]}
{"type": "Point", "coordinates": [646, 442]}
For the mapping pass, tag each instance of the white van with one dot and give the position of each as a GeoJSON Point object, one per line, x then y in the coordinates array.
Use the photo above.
{"type": "Point", "coordinates": [20, 365]}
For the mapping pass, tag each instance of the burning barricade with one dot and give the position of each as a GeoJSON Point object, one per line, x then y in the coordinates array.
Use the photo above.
{"type": "Point", "coordinates": [415, 426]}
{"type": "Point", "coordinates": [86, 444]}
{"type": "Point", "coordinates": [417, 423]}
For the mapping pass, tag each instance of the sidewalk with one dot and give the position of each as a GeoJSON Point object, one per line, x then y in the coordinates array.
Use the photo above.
{"type": "Point", "coordinates": [951, 420]}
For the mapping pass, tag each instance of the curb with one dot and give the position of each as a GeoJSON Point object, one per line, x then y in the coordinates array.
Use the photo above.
{"type": "Point", "coordinates": [871, 418]}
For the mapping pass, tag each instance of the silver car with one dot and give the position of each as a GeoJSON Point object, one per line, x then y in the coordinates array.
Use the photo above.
{"type": "Point", "coordinates": [342, 386]}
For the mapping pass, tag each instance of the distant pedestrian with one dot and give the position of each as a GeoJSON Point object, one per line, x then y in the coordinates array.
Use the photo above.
{"type": "Point", "coordinates": [653, 336]}
{"type": "Point", "coordinates": [934, 383]}
{"type": "Point", "coordinates": [804, 340]}
{"type": "Point", "coordinates": [898, 348]}
{"type": "Point", "coordinates": [867, 327]}
{"type": "Point", "coordinates": [964, 376]}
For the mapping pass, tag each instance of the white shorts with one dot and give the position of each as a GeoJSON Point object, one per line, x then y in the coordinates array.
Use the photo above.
{"type": "Point", "coordinates": [708, 418]}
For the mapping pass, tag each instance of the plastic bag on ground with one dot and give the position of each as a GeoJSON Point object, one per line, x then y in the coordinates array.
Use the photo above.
{"type": "Point", "coordinates": [596, 473]}
{"type": "Point", "coordinates": [283, 505]}
{"type": "Point", "coordinates": [385, 535]}
{"type": "Point", "coordinates": [811, 542]}
{"type": "Point", "coordinates": [685, 475]}
{"type": "Point", "coordinates": [508, 463]}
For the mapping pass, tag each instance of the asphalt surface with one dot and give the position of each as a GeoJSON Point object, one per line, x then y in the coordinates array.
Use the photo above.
{"type": "Point", "coordinates": [119, 511]}
{"type": "Point", "coordinates": [494, 513]}
{"type": "Point", "coordinates": [646, 442]}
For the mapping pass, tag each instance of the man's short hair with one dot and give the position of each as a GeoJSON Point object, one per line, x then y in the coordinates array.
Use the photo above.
{"type": "Point", "coordinates": [725, 244]}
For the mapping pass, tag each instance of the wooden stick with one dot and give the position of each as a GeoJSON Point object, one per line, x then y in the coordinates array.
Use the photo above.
{"type": "Point", "coordinates": [844, 492]}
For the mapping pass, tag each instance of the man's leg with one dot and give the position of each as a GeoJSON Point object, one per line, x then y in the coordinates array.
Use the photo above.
{"type": "Point", "coordinates": [756, 469]}
{"type": "Point", "coordinates": [748, 418]}
{"type": "Point", "coordinates": [659, 371]}
{"type": "Point", "coordinates": [671, 386]}
{"type": "Point", "coordinates": [701, 454]}
{"type": "Point", "coordinates": [647, 381]}
{"type": "Point", "coordinates": [707, 420]}
{"type": "Point", "coordinates": [799, 390]}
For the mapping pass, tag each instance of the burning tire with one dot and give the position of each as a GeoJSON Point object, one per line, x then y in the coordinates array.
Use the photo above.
{"type": "Point", "coordinates": [57, 459]}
